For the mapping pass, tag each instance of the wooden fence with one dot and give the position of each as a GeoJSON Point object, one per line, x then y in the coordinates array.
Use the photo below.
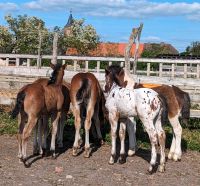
{"type": "Point", "coordinates": [172, 68]}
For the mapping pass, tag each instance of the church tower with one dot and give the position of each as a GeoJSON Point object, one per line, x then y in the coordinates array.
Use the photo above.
{"type": "Point", "coordinates": [67, 27]}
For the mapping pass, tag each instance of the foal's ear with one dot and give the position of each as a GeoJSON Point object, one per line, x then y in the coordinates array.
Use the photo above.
{"type": "Point", "coordinates": [64, 66]}
{"type": "Point", "coordinates": [107, 71]}
{"type": "Point", "coordinates": [121, 73]}
{"type": "Point", "coordinates": [52, 66]}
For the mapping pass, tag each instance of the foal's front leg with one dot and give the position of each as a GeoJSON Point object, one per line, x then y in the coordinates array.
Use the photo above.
{"type": "Point", "coordinates": [113, 119]}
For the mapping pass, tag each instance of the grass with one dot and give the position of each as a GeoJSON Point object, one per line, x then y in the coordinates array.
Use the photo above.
{"type": "Point", "coordinates": [190, 137]}
{"type": "Point", "coordinates": [7, 125]}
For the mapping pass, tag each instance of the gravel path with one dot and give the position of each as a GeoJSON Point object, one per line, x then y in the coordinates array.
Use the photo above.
{"type": "Point", "coordinates": [68, 170]}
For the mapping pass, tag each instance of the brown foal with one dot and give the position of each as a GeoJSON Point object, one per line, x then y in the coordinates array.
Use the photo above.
{"type": "Point", "coordinates": [85, 95]}
{"type": "Point", "coordinates": [35, 100]}
{"type": "Point", "coordinates": [42, 126]}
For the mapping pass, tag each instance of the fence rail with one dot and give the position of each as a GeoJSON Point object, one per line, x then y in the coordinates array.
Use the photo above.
{"type": "Point", "coordinates": [182, 68]}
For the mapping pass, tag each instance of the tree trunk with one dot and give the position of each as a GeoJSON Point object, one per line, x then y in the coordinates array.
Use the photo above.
{"type": "Point", "coordinates": [136, 33]}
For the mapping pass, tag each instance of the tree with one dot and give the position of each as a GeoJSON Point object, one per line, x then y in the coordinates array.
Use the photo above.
{"type": "Point", "coordinates": [194, 48]}
{"type": "Point", "coordinates": [152, 50]}
{"type": "Point", "coordinates": [6, 41]}
{"type": "Point", "coordinates": [83, 37]}
{"type": "Point", "coordinates": [26, 32]}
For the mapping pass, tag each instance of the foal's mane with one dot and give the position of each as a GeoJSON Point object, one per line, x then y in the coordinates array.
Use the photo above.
{"type": "Point", "coordinates": [54, 74]}
{"type": "Point", "coordinates": [114, 71]}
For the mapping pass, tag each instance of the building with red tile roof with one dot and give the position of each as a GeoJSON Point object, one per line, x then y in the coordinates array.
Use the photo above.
{"type": "Point", "coordinates": [108, 50]}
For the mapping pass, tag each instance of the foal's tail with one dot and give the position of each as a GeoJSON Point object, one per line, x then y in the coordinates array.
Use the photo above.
{"type": "Point", "coordinates": [83, 92]}
{"type": "Point", "coordinates": [184, 102]}
{"type": "Point", "coordinates": [164, 111]}
{"type": "Point", "coordinates": [19, 104]}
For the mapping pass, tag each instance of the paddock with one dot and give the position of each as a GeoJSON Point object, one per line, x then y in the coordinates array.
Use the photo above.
{"type": "Point", "coordinates": [68, 170]}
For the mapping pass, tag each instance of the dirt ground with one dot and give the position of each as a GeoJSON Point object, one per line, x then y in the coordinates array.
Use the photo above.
{"type": "Point", "coordinates": [68, 170]}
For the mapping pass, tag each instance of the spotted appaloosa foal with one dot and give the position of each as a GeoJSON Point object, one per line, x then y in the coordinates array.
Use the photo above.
{"type": "Point", "coordinates": [178, 102]}
{"type": "Point", "coordinates": [144, 103]}
{"type": "Point", "coordinates": [85, 95]}
{"type": "Point", "coordinates": [33, 101]}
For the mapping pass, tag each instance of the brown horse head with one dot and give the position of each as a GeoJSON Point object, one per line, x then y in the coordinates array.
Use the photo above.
{"type": "Point", "coordinates": [114, 74]}
{"type": "Point", "coordinates": [57, 74]}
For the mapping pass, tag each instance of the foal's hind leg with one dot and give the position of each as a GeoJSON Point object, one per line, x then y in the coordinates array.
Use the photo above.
{"type": "Point", "coordinates": [61, 125]}
{"type": "Point", "coordinates": [97, 125]}
{"type": "Point", "coordinates": [149, 127]}
{"type": "Point", "coordinates": [35, 139]}
{"type": "Point", "coordinates": [161, 139]}
{"type": "Point", "coordinates": [122, 135]}
{"type": "Point", "coordinates": [90, 111]}
{"type": "Point", "coordinates": [175, 150]}
{"type": "Point", "coordinates": [76, 112]}
{"type": "Point", "coordinates": [113, 119]}
{"type": "Point", "coordinates": [32, 120]}
{"type": "Point", "coordinates": [21, 124]}
{"type": "Point", "coordinates": [54, 132]}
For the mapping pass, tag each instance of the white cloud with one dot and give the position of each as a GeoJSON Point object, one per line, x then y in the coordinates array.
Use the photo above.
{"type": "Point", "coordinates": [151, 39]}
{"type": "Point", "coordinates": [8, 6]}
{"type": "Point", "coordinates": [120, 8]}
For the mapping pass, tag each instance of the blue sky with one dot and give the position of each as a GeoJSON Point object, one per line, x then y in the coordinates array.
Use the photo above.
{"type": "Point", "coordinates": [172, 21]}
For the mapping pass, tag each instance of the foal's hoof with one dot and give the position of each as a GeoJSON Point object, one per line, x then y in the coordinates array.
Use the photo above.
{"type": "Point", "coordinates": [45, 153]}
{"type": "Point", "coordinates": [161, 168]}
{"type": "Point", "coordinates": [53, 154]}
{"type": "Point", "coordinates": [151, 169]}
{"type": "Point", "coordinates": [27, 165]}
{"type": "Point", "coordinates": [75, 151]}
{"type": "Point", "coordinates": [36, 152]}
{"type": "Point", "coordinates": [87, 153]}
{"type": "Point", "coordinates": [112, 160]}
{"type": "Point", "coordinates": [80, 141]}
{"type": "Point", "coordinates": [102, 142]}
{"type": "Point", "coordinates": [131, 152]}
{"type": "Point", "coordinates": [170, 155]}
{"type": "Point", "coordinates": [176, 157]}
{"type": "Point", "coordinates": [122, 159]}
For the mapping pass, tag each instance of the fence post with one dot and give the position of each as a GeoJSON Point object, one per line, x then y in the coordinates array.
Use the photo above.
{"type": "Point", "coordinates": [160, 69]}
{"type": "Point", "coordinates": [185, 71]}
{"type": "Point", "coordinates": [122, 64]}
{"type": "Point", "coordinates": [98, 66]}
{"type": "Point", "coordinates": [75, 65]}
{"type": "Point", "coordinates": [86, 66]}
{"type": "Point", "coordinates": [55, 49]}
{"type": "Point", "coordinates": [63, 61]}
{"type": "Point", "coordinates": [7, 61]}
{"type": "Point", "coordinates": [28, 62]}
{"type": "Point", "coordinates": [148, 69]}
{"type": "Point", "coordinates": [198, 71]}
{"type": "Point", "coordinates": [173, 68]}
{"type": "Point", "coordinates": [110, 63]}
{"type": "Point", "coordinates": [17, 62]}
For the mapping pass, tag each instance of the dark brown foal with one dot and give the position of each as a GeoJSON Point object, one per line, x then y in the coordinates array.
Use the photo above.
{"type": "Point", "coordinates": [85, 95]}
{"type": "Point", "coordinates": [35, 100]}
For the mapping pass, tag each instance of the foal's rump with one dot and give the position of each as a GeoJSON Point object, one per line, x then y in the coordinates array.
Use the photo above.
{"type": "Point", "coordinates": [29, 96]}
{"type": "Point", "coordinates": [183, 99]}
{"type": "Point", "coordinates": [83, 93]}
